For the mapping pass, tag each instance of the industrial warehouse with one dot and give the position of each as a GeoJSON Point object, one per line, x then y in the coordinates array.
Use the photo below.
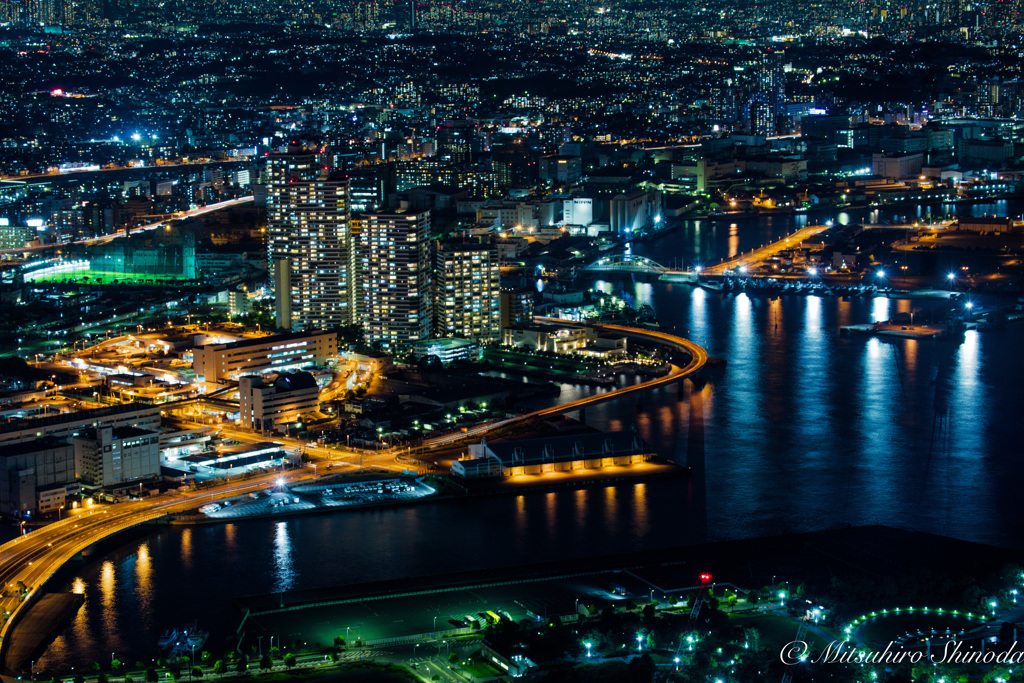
{"type": "Point", "coordinates": [552, 454]}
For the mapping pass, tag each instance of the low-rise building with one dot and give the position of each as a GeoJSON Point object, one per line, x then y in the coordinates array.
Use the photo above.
{"type": "Point", "coordinates": [605, 347]}
{"type": "Point", "coordinates": [32, 470]}
{"type": "Point", "coordinates": [897, 166]}
{"type": "Point", "coordinates": [552, 454]}
{"type": "Point", "coordinates": [477, 468]}
{"type": "Point", "coordinates": [67, 425]}
{"type": "Point", "coordinates": [277, 353]}
{"type": "Point", "coordinates": [267, 407]}
{"type": "Point", "coordinates": [538, 338]}
{"type": "Point", "coordinates": [986, 225]}
{"type": "Point", "coordinates": [448, 350]}
{"type": "Point", "coordinates": [107, 456]}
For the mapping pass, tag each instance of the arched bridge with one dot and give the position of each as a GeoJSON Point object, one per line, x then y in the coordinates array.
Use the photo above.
{"type": "Point", "coordinates": [627, 263]}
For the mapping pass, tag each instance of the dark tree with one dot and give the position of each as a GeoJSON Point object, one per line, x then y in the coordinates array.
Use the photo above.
{"type": "Point", "coordinates": [642, 669]}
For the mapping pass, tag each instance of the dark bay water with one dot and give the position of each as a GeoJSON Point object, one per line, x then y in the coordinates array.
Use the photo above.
{"type": "Point", "coordinates": [804, 429]}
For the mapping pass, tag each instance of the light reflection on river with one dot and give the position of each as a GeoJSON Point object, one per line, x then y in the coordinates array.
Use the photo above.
{"type": "Point", "coordinates": [804, 429]}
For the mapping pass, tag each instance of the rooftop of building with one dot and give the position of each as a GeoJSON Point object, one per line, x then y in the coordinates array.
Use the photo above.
{"type": "Point", "coordinates": [12, 450]}
{"type": "Point", "coordinates": [125, 432]}
{"type": "Point", "coordinates": [576, 446]}
{"type": "Point", "coordinates": [444, 344]}
{"type": "Point", "coordinates": [295, 381]}
{"type": "Point", "coordinates": [260, 341]}
{"type": "Point", "coordinates": [94, 415]}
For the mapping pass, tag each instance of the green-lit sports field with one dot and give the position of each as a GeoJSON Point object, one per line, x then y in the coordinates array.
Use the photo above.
{"type": "Point", "coordinates": [99, 277]}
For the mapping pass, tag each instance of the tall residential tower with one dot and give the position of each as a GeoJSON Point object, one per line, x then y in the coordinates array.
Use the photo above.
{"type": "Point", "coordinates": [396, 278]}
{"type": "Point", "coordinates": [310, 248]}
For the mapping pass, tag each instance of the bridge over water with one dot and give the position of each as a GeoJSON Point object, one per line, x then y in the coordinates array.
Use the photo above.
{"type": "Point", "coordinates": [631, 263]}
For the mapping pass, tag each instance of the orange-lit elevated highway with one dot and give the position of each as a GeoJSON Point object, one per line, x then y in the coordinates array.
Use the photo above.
{"type": "Point", "coordinates": [698, 359]}
{"type": "Point", "coordinates": [30, 560]}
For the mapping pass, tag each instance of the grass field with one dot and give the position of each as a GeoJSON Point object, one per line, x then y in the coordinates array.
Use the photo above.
{"type": "Point", "coordinates": [99, 277]}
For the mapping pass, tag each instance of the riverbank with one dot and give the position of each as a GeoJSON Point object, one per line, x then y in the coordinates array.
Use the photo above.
{"type": "Point", "coordinates": [811, 558]}
{"type": "Point", "coordinates": [43, 621]}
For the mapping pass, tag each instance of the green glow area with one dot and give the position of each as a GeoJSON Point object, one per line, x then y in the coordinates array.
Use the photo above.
{"type": "Point", "coordinates": [99, 277]}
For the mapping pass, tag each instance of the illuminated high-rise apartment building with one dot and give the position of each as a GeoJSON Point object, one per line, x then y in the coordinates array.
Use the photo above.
{"type": "Point", "coordinates": [396, 278]}
{"type": "Point", "coordinates": [310, 248]}
{"type": "Point", "coordinates": [467, 291]}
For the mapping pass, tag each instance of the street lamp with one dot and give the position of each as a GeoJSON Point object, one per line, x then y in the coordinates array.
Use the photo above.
{"type": "Point", "coordinates": [951, 277]}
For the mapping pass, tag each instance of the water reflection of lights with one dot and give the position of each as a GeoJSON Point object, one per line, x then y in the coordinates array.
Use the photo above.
{"type": "Point", "coordinates": [284, 573]}
{"type": "Point", "coordinates": [108, 597]}
{"type": "Point", "coordinates": [875, 349]}
{"type": "Point", "coordinates": [812, 318]}
{"type": "Point", "coordinates": [640, 508]}
{"type": "Point", "coordinates": [144, 577]}
{"type": "Point", "coordinates": [580, 506]}
{"type": "Point", "coordinates": [743, 323]}
{"type": "Point", "coordinates": [880, 309]}
{"type": "Point", "coordinates": [611, 508]}
{"type": "Point", "coordinates": [186, 546]}
{"type": "Point", "coordinates": [108, 583]}
{"type": "Point", "coordinates": [643, 293]}
{"type": "Point", "coordinates": [698, 316]}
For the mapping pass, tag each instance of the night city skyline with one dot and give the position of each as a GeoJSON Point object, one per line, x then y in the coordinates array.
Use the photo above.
{"type": "Point", "coordinates": [557, 341]}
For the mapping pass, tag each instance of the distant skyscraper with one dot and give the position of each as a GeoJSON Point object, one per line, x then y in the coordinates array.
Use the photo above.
{"type": "Point", "coordinates": [396, 278]}
{"type": "Point", "coordinates": [769, 101]}
{"type": "Point", "coordinates": [467, 291]}
{"type": "Point", "coordinates": [308, 227]}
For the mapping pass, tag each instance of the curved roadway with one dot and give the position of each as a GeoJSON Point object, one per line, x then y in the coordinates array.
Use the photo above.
{"type": "Point", "coordinates": [33, 558]}
{"type": "Point", "coordinates": [698, 358]}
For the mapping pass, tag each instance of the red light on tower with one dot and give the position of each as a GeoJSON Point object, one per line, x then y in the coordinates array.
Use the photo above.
{"type": "Point", "coordinates": [704, 578]}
